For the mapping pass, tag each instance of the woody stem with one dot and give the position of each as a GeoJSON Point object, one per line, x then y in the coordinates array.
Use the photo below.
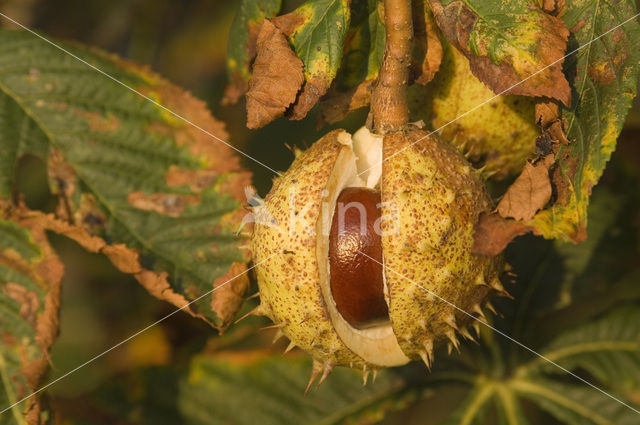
{"type": "Point", "coordinates": [389, 98]}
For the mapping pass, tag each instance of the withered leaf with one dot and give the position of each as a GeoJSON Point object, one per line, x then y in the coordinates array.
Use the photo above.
{"type": "Point", "coordinates": [339, 104]}
{"type": "Point", "coordinates": [529, 192]}
{"type": "Point", "coordinates": [30, 281]}
{"type": "Point", "coordinates": [493, 233]}
{"type": "Point", "coordinates": [513, 47]}
{"type": "Point", "coordinates": [427, 48]}
{"type": "Point", "coordinates": [276, 79]}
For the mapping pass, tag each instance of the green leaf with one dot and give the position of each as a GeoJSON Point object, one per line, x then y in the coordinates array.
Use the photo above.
{"type": "Point", "coordinates": [241, 48]}
{"type": "Point", "coordinates": [30, 278]}
{"type": "Point", "coordinates": [127, 170]}
{"type": "Point", "coordinates": [508, 42]}
{"type": "Point", "coordinates": [508, 407]}
{"type": "Point", "coordinates": [317, 31]}
{"type": "Point", "coordinates": [606, 74]}
{"type": "Point", "coordinates": [608, 348]}
{"type": "Point", "coordinates": [575, 404]}
{"type": "Point", "coordinates": [473, 409]}
{"type": "Point", "coordinates": [254, 387]}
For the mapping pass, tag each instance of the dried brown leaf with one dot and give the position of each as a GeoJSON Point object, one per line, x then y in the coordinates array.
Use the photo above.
{"type": "Point", "coordinates": [427, 48]}
{"type": "Point", "coordinates": [338, 105]}
{"type": "Point", "coordinates": [549, 120]}
{"type": "Point", "coordinates": [276, 79]}
{"type": "Point", "coordinates": [493, 233]}
{"type": "Point", "coordinates": [228, 292]}
{"type": "Point", "coordinates": [529, 193]}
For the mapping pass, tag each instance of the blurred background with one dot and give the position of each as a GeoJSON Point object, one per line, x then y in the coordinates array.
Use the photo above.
{"type": "Point", "coordinates": [185, 41]}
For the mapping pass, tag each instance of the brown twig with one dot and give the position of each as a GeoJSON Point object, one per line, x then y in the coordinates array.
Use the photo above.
{"type": "Point", "coordinates": [389, 98]}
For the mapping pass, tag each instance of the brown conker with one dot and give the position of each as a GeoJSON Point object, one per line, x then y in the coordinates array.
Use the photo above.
{"type": "Point", "coordinates": [355, 258]}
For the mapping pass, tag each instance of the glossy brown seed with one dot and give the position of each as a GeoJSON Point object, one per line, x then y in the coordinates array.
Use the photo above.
{"type": "Point", "coordinates": [356, 280]}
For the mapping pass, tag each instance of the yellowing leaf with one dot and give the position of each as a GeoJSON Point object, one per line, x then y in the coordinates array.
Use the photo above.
{"type": "Point", "coordinates": [160, 197]}
{"type": "Point", "coordinates": [512, 46]}
{"type": "Point", "coordinates": [594, 121]}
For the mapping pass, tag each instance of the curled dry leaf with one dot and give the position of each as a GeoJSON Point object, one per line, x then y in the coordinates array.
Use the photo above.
{"type": "Point", "coordinates": [30, 281]}
{"type": "Point", "coordinates": [276, 80]}
{"type": "Point", "coordinates": [516, 49]}
{"type": "Point", "coordinates": [427, 48]}
{"type": "Point", "coordinates": [530, 192]}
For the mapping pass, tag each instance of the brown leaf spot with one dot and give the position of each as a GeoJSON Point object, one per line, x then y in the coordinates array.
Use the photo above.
{"type": "Point", "coordinates": [170, 204]}
{"type": "Point", "coordinates": [530, 192]}
{"type": "Point", "coordinates": [28, 301]}
{"type": "Point", "coordinates": [601, 73]}
{"type": "Point", "coordinates": [276, 80]}
{"type": "Point", "coordinates": [228, 293]}
{"type": "Point", "coordinates": [493, 233]}
{"type": "Point", "coordinates": [98, 122]}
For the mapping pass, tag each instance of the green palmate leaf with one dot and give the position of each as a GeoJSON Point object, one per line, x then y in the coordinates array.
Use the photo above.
{"type": "Point", "coordinates": [608, 348]}
{"type": "Point", "coordinates": [30, 277]}
{"type": "Point", "coordinates": [254, 387]}
{"type": "Point", "coordinates": [317, 31]}
{"type": "Point", "coordinates": [575, 404]}
{"type": "Point", "coordinates": [241, 48]}
{"type": "Point", "coordinates": [508, 43]}
{"type": "Point", "coordinates": [473, 409]}
{"type": "Point", "coordinates": [164, 197]}
{"type": "Point", "coordinates": [605, 76]}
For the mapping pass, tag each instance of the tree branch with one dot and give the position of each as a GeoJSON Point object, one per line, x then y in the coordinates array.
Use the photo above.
{"type": "Point", "coordinates": [389, 98]}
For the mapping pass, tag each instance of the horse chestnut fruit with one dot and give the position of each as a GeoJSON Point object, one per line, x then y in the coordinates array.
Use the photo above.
{"type": "Point", "coordinates": [338, 214]}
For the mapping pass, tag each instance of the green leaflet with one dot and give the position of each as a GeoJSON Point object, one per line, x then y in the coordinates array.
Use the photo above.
{"type": "Point", "coordinates": [126, 170]}
{"type": "Point", "coordinates": [30, 277]}
{"type": "Point", "coordinates": [272, 389]}
{"type": "Point", "coordinates": [575, 404]}
{"type": "Point", "coordinates": [606, 74]}
{"type": "Point", "coordinates": [242, 38]}
{"type": "Point", "coordinates": [317, 37]}
{"type": "Point", "coordinates": [472, 410]}
{"type": "Point", "coordinates": [608, 348]}
{"type": "Point", "coordinates": [509, 407]}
